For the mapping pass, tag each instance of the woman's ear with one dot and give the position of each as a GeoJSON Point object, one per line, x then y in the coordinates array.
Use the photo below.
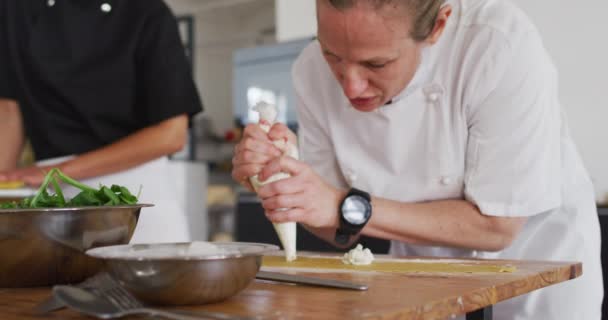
{"type": "Point", "coordinates": [442, 19]}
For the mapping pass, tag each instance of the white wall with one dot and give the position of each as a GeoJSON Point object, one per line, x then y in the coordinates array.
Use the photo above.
{"type": "Point", "coordinates": [574, 33]}
{"type": "Point", "coordinates": [295, 19]}
{"type": "Point", "coordinates": [221, 27]}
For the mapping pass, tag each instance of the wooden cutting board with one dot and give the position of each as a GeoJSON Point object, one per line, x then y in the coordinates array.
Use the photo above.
{"type": "Point", "coordinates": [311, 263]}
{"type": "Point", "coordinates": [10, 185]}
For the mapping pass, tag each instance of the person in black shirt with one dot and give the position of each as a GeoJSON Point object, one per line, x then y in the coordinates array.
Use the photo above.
{"type": "Point", "coordinates": [104, 89]}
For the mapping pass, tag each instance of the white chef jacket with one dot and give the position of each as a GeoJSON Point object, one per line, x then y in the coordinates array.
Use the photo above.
{"type": "Point", "coordinates": [167, 220]}
{"type": "Point", "coordinates": [480, 121]}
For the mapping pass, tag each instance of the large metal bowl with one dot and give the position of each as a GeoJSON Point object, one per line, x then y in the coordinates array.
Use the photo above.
{"type": "Point", "coordinates": [42, 247]}
{"type": "Point", "coordinates": [184, 280]}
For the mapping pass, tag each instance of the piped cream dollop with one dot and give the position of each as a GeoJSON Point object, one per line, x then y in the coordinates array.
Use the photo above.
{"type": "Point", "coordinates": [358, 256]}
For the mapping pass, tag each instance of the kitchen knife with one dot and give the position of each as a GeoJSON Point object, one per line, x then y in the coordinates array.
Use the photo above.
{"type": "Point", "coordinates": [297, 279]}
{"type": "Point", "coordinates": [48, 305]}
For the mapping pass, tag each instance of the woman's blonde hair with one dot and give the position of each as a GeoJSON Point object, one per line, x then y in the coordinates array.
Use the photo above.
{"type": "Point", "coordinates": [424, 12]}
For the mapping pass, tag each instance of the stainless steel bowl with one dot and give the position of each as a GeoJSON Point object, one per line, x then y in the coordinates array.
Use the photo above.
{"type": "Point", "coordinates": [42, 247]}
{"type": "Point", "coordinates": [184, 280]}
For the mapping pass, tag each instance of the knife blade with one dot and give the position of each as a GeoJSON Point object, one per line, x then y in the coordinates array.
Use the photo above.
{"type": "Point", "coordinates": [297, 279]}
{"type": "Point", "coordinates": [50, 304]}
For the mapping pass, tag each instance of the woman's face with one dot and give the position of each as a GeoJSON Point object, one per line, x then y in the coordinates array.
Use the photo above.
{"type": "Point", "coordinates": [369, 51]}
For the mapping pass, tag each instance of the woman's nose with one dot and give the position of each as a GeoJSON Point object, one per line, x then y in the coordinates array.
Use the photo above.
{"type": "Point", "coordinates": [353, 83]}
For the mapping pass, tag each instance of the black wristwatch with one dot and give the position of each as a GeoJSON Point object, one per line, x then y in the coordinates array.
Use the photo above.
{"type": "Point", "coordinates": [355, 211]}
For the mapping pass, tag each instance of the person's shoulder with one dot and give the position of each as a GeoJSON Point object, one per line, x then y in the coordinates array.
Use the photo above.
{"type": "Point", "coordinates": [496, 39]}
{"type": "Point", "coordinates": [313, 80]}
{"type": "Point", "coordinates": [491, 32]}
{"type": "Point", "coordinates": [310, 56]}
{"type": "Point", "coordinates": [499, 16]}
{"type": "Point", "coordinates": [310, 64]}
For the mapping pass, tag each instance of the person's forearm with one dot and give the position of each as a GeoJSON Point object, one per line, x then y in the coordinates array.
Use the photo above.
{"type": "Point", "coordinates": [454, 223]}
{"type": "Point", "coordinates": [142, 146]}
{"type": "Point", "coordinates": [11, 134]}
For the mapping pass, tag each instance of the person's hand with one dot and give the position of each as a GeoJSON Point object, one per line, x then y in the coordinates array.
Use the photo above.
{"type": "Point", "coordinates": [280, 131]}
{"type": "Point", "coordinates": [31, 176]}
{"type": "Point", "coordinates": [304, 197]}
{"type": "Point", "coordinates": [253, 152]}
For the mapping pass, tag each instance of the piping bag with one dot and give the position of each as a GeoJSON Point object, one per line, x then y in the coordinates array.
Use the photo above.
{"type": "Point", "coordinates": [287, 230]}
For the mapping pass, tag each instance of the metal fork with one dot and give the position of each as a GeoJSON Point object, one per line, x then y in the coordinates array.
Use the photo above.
{"type": "Point", "coordinates": [113, 291]}
{"type": "Point", "coordinates": [118, 295]}
{"type": "Point", "coordinates": [51, 304]}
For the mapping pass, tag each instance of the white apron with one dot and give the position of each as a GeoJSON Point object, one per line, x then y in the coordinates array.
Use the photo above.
{"type": "Point", "coordinates": [166, 221]}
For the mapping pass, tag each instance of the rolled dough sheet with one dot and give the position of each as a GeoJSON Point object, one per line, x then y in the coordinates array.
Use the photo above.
{"type": "Point", "coordinates": [389, 265]}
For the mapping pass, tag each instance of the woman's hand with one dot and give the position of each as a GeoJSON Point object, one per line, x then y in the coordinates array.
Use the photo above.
{"type": "Point", "coordinates": [254, 151]}
{"type": "Point", "coordinates": [303, 198]}
{"type": "Point", "coordinates": [31, 176]}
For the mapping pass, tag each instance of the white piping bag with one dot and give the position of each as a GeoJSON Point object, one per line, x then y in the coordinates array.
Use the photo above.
{"type": "Point", "coordinates": [286, 231]}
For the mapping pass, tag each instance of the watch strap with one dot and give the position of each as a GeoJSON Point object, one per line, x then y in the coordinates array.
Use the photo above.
{"type": "Point", "coordinates": [343, 233]}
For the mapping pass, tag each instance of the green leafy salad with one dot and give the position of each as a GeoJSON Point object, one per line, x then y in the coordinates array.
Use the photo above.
{"type": "Point", "coordinates": [104, 196]}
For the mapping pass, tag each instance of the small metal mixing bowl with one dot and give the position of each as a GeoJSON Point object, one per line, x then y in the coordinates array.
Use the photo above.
{"type": "Point", "coordinates": [184, 279]}
{"type": "Point", "coordinates": [43, 247]}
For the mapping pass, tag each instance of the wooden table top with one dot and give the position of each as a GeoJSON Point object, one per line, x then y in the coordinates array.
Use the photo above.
{"type": "Point", "coordinates": [391, 295]}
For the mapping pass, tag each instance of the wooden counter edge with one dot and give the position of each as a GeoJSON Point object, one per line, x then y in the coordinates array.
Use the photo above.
{"type": "Point", "coordinates": [481, 298]}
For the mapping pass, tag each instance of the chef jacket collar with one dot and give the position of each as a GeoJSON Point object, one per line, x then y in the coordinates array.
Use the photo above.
{"type": "Point", "coordinates": [421, 77]}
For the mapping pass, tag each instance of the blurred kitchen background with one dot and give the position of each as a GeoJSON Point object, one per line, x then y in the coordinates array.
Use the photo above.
{"type": "Point", "coordinates": [238, 59]}
{"type": "Point", "coordinates": [242, 50]}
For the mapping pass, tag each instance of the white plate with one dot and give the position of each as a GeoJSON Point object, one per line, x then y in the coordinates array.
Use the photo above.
{"type": "Point", "coordinates": [16, 193]}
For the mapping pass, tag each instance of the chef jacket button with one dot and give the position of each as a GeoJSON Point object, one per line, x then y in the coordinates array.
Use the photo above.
{"type": "Point", "coordinates": [446, 181]}
{"type": "Point", "coordinates": [352, 178]}
{"type": "Point", "coordinates": [50, 3]}
{"type": "Point", "coordinates": [106, 7]}
{"type": "Point", "coordinates": [433, 93]}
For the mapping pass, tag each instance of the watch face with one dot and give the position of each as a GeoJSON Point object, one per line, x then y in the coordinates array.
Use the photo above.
{"type": "Point", "coordinates": [356, 210]}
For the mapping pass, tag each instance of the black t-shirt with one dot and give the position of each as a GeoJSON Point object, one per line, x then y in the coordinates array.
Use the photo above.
{"type": "Point", "coordinates": [86, 76]}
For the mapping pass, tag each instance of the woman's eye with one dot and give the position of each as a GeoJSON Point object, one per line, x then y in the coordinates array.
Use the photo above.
{"type": "Point", "coordinates": [372, 65]}
{"type": "Point", "coordinates": [332, 57]}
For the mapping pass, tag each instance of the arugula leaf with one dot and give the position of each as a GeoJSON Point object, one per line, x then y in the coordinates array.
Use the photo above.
{"type": "Point", "coordinates": [124, 194]}
{"type": "Point", "coordinates": [112, 198]}
{"type": "Point", "coordinates": [58, 193]}
{"type": "Point", "coordinates": [42, 190]}
{"type": "Point", "coordinates": [9, 205]}
{"type": "Point", "coordinates": [104, 196]}
{"type": "Point", "coordinates": [84, 199]}
{"type": "Point", "coordinates": [73, 182]}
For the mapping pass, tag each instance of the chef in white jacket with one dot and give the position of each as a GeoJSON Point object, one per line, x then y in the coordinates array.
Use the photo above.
{"type": "Point", "coordinates": [446, 113]}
